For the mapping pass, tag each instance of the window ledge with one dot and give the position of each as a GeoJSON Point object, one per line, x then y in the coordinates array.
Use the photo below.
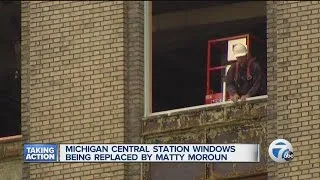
{"type": "Point", "coordinates": [204, 107]}
{"type": "Point", "coordinates": [10, 139]}
{"type": "Point", "coordinates": [10, 146]}
{"type": "Point", "coordinates": [214, 115]}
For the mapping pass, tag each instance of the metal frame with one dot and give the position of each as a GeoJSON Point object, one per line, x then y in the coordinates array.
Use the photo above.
{"type": "Point", "coordinates": [210, 69]}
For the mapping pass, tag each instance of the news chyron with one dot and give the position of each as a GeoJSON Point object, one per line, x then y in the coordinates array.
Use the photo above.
{"type": "Point", "coordinates": [280, 151]}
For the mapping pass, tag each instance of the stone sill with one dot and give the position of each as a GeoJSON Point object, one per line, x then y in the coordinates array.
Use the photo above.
{"type": "Point", "coordinates": [218, 114]}
{"type": "Point", "coordinates": [10, 146]}
{"type": "Point", "coordinates": [202, 107]}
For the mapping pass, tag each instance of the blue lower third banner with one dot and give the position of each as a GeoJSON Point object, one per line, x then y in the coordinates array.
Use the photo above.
{"type": "Point", "coordinates": [40, 153]}
{"type": "Point", "coordinates": [141, 153]}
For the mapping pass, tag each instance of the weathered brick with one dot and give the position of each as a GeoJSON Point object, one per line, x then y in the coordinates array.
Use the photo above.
{"type": "Point", "coordinates": [303, 81]}
{"type": "Point", "coordinates": [64, 76]}
{"type": "Point", "coordinates": [84, 42]}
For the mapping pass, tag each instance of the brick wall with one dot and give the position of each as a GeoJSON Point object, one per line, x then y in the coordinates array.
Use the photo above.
{"type": "Point", "coordinates": [298, 83]}
{"type": "Point", "coordinates": [73, 53]}
{"type": "Point", "coordinates": [82, 82]}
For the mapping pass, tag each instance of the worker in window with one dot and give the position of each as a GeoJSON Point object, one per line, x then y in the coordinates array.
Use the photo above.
{"type": "Point", "coordinates": [244, 76]}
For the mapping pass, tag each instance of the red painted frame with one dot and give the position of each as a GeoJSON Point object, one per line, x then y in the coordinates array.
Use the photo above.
{"type": "Point", "coordinates": [210, 69]}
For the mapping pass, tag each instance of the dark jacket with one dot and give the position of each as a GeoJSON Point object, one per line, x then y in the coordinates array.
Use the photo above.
{"type": "Point", "coordinates": [247, 81]}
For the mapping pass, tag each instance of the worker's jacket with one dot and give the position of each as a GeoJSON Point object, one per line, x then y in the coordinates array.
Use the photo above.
{"type": "Point", "coordinates": [244, 79]}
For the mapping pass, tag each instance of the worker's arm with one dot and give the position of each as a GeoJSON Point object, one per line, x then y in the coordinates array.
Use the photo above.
{"type": "Point", "coordinates": [231, 87]}
{"type": "Point", "coordinates": [256, 80]}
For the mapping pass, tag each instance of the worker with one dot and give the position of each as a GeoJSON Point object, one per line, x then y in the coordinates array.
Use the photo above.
{"type": "Point", "coordinates": [244, 76]}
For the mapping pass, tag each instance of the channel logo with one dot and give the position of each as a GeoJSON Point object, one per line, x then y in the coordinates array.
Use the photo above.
{"type": "Point", "coordinates": [280, 150]}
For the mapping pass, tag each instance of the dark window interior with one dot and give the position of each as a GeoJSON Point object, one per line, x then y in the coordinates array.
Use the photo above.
{"type": "Point", "coordinates": [10, 68]}
{"type": "Point", "coordinates": [179, 56]}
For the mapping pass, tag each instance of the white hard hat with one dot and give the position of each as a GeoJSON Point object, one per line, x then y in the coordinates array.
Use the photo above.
{"type": "Point", "coordinates": [239, 50]}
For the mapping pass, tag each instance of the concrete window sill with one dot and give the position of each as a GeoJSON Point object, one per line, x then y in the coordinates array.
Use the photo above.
{"type": "Point", "coordinates": [215, 115]}
{"type": "Point", "coordinates": [10, 146]}
{"type": "Point", "coordinates": [204, 107]}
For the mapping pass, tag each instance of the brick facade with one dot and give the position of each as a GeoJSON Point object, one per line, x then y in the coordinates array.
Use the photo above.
{"type": "Point", "coordinates": [82, 82]}
{"type": "Point", "coordinates": [74, 56]}
{"type": "Point", "coordinates": [298, 63]}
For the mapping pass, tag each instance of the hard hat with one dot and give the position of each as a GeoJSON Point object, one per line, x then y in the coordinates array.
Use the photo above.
{"type": "Point", "coordinates": [239, 50]}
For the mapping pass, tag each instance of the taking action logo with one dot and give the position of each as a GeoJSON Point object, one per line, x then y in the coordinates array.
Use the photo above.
{"type": "Point", "coordinates": [280, 150]}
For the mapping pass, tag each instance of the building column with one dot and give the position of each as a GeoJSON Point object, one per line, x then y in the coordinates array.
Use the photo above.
{"type": "Point", "coordinates": [134, 83]}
